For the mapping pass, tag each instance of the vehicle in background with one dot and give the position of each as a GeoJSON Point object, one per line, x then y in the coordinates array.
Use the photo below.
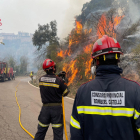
{"type": "Point", "coordinates": [5, 71]}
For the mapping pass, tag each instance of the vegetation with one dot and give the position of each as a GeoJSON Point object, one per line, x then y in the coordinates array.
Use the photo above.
{"type": "Point", "coordinates": [45, 33]}
{"type": "Point", "coordinates": [136, 51]}
{"type": "Point", "coordinates": [21, 69]}
{"type": "Point", "coordinates": [46, 36]}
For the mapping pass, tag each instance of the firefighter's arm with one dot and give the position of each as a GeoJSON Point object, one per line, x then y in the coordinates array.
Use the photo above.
{"type": "Point", "coordinates": [75, 126]}
{"type": "Point", "coordinates": [64, 88]}
{"type": "Point", "coordinates": [137, 109]}
{"type": "Point", "coordinates": [66, 92]}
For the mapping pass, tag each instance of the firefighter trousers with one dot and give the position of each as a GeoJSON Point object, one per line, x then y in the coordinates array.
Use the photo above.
{"type": "Point", "coordinates": [53, 115]}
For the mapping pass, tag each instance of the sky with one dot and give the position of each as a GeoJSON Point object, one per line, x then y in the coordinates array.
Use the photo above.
{"type": "Point", "coordinates": [25, 15]}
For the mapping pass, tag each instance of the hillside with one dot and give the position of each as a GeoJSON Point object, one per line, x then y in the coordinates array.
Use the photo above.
{"type": "Point", "coordinates": [98, 18]}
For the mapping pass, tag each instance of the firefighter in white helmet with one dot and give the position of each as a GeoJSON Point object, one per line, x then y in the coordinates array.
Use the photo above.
{"type": "Point", "coordinates": [108, 107]}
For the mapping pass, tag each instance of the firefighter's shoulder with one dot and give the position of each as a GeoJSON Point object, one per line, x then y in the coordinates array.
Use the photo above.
{"type": "Point", "coordinates": [86, 86]}
{"type": "Point", "coordinates": [131, 87]}
{"type": "Point", "coordinates": [86, 83]}
{"type": "Point", "coordinates": [130, 82]}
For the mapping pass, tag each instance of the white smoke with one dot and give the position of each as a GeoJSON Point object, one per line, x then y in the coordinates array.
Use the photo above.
{"type": "Point", "coordinates": [74, 9]}
{"type": "Point", "coordinates": [133, 9]}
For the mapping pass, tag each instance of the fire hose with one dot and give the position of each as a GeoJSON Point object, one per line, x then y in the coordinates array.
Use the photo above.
{"type": "Point", "coordinates": [29, 132]}
{"type": "Point", "coordinates": [20, 114]}
{"type": "Point", "coordinates": [64, 118]}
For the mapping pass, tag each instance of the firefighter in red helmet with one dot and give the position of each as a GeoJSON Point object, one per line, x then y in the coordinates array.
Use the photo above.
{"type": "Point", "coordinates": [52, 88]}
{"type": "Point", "coordinates": [108, 107]}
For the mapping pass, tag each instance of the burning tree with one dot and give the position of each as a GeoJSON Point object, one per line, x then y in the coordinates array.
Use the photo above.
{"type": "Point", "coordinates": [78, 42]}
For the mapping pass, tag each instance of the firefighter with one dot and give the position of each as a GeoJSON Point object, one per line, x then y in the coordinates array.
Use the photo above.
{"type": "Point", "coordinates": [31, 75]}
{"type": "Point", "coordinates": [108, 107]}
{"type": "Point", "coordinates": [52, 88]}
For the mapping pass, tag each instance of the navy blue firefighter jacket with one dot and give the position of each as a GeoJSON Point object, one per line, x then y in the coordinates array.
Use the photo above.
{"type": "Point", "coordinates": [107, 108]}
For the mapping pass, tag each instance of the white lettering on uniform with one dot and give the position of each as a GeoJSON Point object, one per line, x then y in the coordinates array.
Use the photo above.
{"type": "Point", "coordinates": [48, 79]}
{"type": "Point", "coordinates": [108, 98]}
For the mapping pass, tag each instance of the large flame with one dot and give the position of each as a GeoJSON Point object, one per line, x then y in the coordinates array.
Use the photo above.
{"type": "Point", "coordinates": [72, 40]}
{"type": "Point", "coordinates": [108, 28]}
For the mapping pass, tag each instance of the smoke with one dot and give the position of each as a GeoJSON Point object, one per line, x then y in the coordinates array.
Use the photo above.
{"type": "Point", "coordinates": [132, 10]}
{"type": "Point", "coordinates": [74, 9]}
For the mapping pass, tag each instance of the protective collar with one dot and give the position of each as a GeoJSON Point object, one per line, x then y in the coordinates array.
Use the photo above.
{"type": "Point", "coordinates": [108, 69]}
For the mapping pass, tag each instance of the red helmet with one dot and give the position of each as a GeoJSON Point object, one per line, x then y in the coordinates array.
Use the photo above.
{"type": "Point", "coordinates": [105, 45]}
{"type": "Point", "coordinates": [48, 64]}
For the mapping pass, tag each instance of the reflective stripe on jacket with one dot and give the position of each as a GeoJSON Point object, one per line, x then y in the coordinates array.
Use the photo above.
{"type": "Point", "coordinates": [52, 88]}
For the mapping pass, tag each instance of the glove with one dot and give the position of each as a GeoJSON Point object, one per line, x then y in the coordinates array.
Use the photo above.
{"type": "Point", "coordinates": [62, 74]}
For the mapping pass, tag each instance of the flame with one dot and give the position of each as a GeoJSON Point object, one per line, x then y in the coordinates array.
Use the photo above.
{"type": "Point", "coordinates": [105, 28]}
{"type": "Point", "coordinates": [88, 67]}
{"type": "Point", "coordinates": [77, 30]}
{"type": "Point", "coordinates": [87, 49]}
{"type": "Point", "coordinates": [79, 27]}
{"type": "Point", "coordinates": [71, 69]}
{"type": "Point", "coordinates": [74, 38]}
{"type": "Point", "coordinates": [61, 54]}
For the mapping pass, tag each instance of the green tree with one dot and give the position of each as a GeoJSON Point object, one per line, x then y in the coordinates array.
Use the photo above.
{"type": "Point", "coordinates": [45, 33]}
{"type": "Point", "coordinates": [12, 62]}
{"type": "Point", "coordinates": [23, 64]}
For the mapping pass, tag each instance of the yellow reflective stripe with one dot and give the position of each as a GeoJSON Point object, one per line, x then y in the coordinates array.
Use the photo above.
{"type": "Point", "coordinates": [75, 123]}
{"type": "Point", "coordinates": [43, 125]}
{"type": "Point", "coordinates": [56, 125]}
{"type": "Point", "coordinates": [137, 114]}
{"type": "Point", "coordinates": [128, 112]}
{"type": "Point", "coordinates": [49, 84]}
{"type": "Point", "coordinates": [138, 130]}
{"type": "Point", "coordinates": [65, 92]}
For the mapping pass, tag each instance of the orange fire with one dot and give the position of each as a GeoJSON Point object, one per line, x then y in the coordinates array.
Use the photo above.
{"type": "Point", "coordinates": [88, 63]}
{"type": "Point", "coordinates": [79, 27]}
{"type": "Point", "coordinates": [61, 53]}
{"type": "Point", "coordinates": [107, 28]}
{"type": "Point", "coordinates": [88, 67]}
{"type": "Point", "coordinates": [87, 49]}
{"type": "Point", "coordinates": [73, 39]}
{"type": "Point", "coordinates": [71, 68]}
{"type": "Point", "coordinates": [78, 30]}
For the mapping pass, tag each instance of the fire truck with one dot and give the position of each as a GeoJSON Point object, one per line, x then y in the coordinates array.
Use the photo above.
{"type": "Point", "coordinates": [5, 72]}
